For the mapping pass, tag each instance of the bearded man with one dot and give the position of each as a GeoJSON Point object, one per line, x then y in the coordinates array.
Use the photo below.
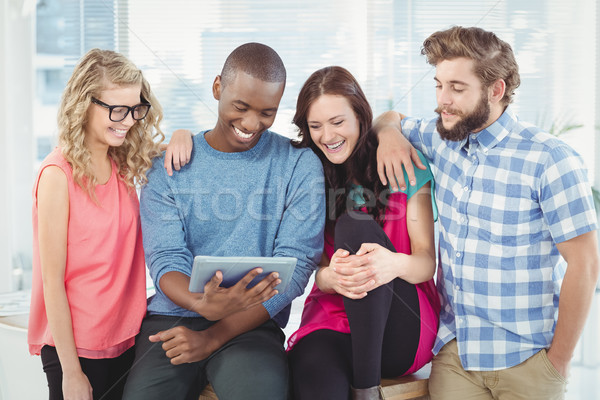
{"type": "Point", "coordinates": [518, 257]}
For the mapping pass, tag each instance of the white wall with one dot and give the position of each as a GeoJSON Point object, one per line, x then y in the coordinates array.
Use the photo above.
{"type": "Point", "coordinates": [4, 204]}
{"type": "Point", "coordinates": [597, 105]}
{"type": "Point", "coordinates": [16, 134]}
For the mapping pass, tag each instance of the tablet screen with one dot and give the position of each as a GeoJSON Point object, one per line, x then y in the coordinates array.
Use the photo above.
{"type": "Point", "coordinates": [235, 268]}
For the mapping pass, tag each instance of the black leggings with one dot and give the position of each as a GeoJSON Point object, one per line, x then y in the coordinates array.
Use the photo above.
{"type": "Point", "coordinates": [385, 330]}
{"type": "Point", "coordinates": [106, 375]}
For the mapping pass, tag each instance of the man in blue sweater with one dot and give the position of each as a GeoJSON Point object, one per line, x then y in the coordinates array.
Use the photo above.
{"type": "Point", "coordinates": [245, 192]}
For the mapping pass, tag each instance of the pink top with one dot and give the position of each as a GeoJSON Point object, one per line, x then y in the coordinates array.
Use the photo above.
{"type": "Point", "coordinates": [326, 311]}
{"type": "Point", "coordinates": [105, 276]}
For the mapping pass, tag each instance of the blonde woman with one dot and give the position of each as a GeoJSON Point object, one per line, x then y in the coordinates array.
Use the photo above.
{"type": "Point", "coordinates": [88, 292]}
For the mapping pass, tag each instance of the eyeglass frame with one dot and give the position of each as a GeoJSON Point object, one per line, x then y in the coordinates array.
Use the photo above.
{"type": "Point", "coordinates": [129, 109]}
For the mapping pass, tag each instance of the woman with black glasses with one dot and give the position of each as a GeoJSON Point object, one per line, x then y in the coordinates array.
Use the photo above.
{"type": "Point", "coordinates": [89, 284]}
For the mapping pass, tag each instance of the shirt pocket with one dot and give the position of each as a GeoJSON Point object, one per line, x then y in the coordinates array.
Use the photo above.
{"type": "Point", "coordinates": [515, 218]}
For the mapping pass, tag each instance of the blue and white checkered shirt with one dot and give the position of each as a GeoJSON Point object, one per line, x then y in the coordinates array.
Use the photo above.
{"type": "Point", "coordinates": [506, 196]}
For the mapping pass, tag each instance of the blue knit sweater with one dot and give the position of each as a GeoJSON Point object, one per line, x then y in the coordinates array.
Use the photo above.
{"type": "Point", "coordinates": [266, 201]}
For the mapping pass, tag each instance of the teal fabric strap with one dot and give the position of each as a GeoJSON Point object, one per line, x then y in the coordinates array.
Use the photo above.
{"type": "Point", "coordinates": [356, 195]}
{"type": "Point", "coordinates": [422, 177]}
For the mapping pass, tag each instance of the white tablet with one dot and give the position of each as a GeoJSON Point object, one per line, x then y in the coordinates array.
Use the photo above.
{"type": "Point", "coordinates": [234, 269]}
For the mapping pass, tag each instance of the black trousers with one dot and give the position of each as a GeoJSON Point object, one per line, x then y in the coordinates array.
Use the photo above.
{"type": "Point", "coordinates": [106, 375]}
{"type": "Point", "coordinates": [385, 330]}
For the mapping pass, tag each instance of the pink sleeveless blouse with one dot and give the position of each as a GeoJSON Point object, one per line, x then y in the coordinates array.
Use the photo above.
{"type": "Point", "coordinates": [326, 311]}
{"type": "Point", "coordinates": [105, 277]}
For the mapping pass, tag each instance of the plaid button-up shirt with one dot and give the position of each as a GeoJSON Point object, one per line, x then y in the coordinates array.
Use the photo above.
{"type": "Point", "coordinates": [506, 196]}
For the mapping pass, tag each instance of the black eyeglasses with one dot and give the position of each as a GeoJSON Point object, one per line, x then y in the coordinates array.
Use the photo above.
{"type": "Point", "coordinates": [119, 113]}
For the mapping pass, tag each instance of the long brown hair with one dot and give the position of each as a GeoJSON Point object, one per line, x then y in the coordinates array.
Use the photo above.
{"type": "Point", "coordinates": [361, 166]}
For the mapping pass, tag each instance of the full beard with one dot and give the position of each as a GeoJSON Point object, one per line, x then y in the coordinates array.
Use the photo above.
{"type": "Point", "coordinates": [467, 123]}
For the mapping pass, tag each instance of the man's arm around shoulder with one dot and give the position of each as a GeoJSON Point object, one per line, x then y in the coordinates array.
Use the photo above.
{"type": "Point", "coordinates": [394, 151]}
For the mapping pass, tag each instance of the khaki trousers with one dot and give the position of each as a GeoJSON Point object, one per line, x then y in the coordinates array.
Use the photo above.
{"type": "Point", "coordinates": [535, 378]}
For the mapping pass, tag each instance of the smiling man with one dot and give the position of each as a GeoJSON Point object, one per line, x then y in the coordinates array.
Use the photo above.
{"type": "Point", "coordinates": [245, 192]}
{"type": "Point", "coordinates": [518, 258]}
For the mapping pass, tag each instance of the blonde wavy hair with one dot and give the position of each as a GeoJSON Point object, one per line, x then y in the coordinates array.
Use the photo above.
{"type": "Point", "coordinates": [97, 70]}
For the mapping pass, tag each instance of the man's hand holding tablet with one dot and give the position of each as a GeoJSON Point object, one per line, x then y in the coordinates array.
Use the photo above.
{"type": "Point", "coordinates": [232, 284]}
{"type": "Point", "coordinates": [217, 301]}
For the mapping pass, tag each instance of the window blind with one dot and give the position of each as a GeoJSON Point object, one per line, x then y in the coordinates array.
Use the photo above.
{"type": "Point", "coordinates": [181, 46]}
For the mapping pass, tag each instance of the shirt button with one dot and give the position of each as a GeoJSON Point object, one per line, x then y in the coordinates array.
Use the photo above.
{"type": "Point", "coordinates": [456, 287]}
{"type": "Point", "coordinates": [462, 219]}
{"type": "Point", "coordinates": [466, 188]}
{"type": "Point", "coordinates": [485, 150]}
{"type": "Point", "coordinates": [457, 254]}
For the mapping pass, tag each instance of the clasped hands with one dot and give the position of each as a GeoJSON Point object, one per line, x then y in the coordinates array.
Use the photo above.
{"type": "Point", "coordinates": [183, 345]}
{"type": "Point", "coordinates": [353, 276]}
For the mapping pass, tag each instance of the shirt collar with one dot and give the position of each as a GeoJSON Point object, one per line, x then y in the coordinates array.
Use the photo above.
{"type": "Point", "coordinates": [489, 137]}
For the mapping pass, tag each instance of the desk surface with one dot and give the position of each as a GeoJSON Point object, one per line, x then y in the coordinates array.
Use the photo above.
{"type": "Point", "coordinates": [15, 321]}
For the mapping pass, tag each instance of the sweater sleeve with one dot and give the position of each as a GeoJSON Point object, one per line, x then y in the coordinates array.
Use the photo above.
{"type": "Point", "coordinates": [301, 230]}
{"type": "Point", "coordinates": [163, 229]}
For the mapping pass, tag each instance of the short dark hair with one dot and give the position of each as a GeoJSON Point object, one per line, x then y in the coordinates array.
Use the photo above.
{"type": "Point", "coordinates": [255, 59]}
{"type": "Point", "coordinates": [493, 58]}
